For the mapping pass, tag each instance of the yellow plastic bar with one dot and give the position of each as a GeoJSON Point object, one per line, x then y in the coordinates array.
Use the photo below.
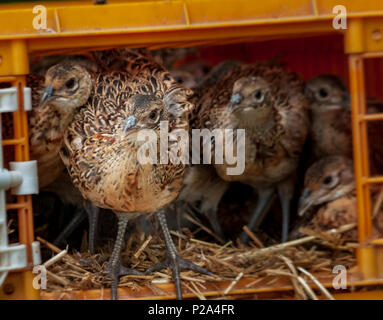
{"type": "Point", "coordinates": [14, 63]}
{"type": "Point", "coordinates": [365, 35]}
{"type": "Point", "coordinates": [360, 295]}
{"type": "Point", "coordinates": [264, 285]}
{"type": "Point", "coordinates": [366, 258]}
{"type": "Point", "coordinates": [74, 25]}
{"type": "Point", "coordinates": [11, 142]}
{"type": "Point", "coordinates": [13, 59]}
{"type": "Point", "coordinates": [7, 79]}
{"type": "Point", "coordinates": [354, 37]}
{"type": "Point", "coordinates": [18, 286]}
{"type": "Point", "coordinates": [372, 180]}
{"type": "Point", "coordinates": [360, 144]}
{"type": "Point", "coordinates": [178, 37]}
{"type": "Point", "coordinates": [66, 19]}
{"type": "Point", "coordinates": [13, 206]}
{"type": "Point", "coordinates": [20, 128]}
{"type": "Point", "coordinates": [70, 18]}
{"type": "Point", "coordinates": [371, 117]}
{"type": "Point", "coordinates": [363, 41]}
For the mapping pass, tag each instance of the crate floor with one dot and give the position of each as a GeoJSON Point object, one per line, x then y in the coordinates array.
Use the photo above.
{"type": "Point", "coordinates": [239, 270]}
{"type": "Point", "coordinates": [246, 288]}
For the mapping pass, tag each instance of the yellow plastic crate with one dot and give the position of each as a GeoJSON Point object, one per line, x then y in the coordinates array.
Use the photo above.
{"type": "Point", "coordinates": [81, 25]}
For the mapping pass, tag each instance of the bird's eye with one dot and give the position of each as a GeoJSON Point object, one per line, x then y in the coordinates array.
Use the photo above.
{"type": "Point", "coordinates": [153, 115]}
{"type": "Point", "coordinates": [179, 80]}
{"type": "Point", "coordinates": [327, 180]}
{"type": "Point", "coordinates": [69, 84]}
{"type": "Point", "coordinates": [323, 93]}
{"type": "Point", "coordinates": [258, 95]}
{"type": "Point", "coordinates": [330, 181]}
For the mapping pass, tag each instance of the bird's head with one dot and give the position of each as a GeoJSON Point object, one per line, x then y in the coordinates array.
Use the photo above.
{"type": "Point", "coordinates": [328, 179]}
{"type": "Point", "coordinates": [184, 77]}
{"type": "Point", "coordinates": [327, 92]}
{"type": "Point", "coordinates": [67, 86]}
{"type": "Point", "coordinates": [251, 98]}
{"type": "Point", "coordinates": [147, 111]}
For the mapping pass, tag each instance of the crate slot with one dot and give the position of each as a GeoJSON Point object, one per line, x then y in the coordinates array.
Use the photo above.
{"type": "Point", "coordinates": [9, 101]}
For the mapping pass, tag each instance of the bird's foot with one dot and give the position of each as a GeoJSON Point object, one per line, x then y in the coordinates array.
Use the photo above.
{"type": "Point", "coordinates": [176, 263]}
{"type": "Point", "coordinates": [116, 270]}
{"type": "Point", "coordinates": [123, 271]}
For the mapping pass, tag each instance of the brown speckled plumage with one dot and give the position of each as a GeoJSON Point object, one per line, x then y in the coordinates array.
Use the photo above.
{"type": "Point", "coordinates": [330, 116]}
{"type": "Point", "coordinates": [202, 187]}
{"type": "Point", "coordinates": [53, 107]}
{"type": "Point", "coordinates": [285, 137]}
{"type": "Point", "coordinates": [332, 176]}
{"type": "Point", "coordinates": [276, 125]}
{"type": "Point", "coordinates": [55, 99]}
{"type": "Point", "coordinates": [101, 149]}
{"type": "Point", "coordinates": [49, 119]}
{"type": "Point", "coordinates": [47, 123]}
{"type": "Point", "coordinates": [330, 194]}
{"type": "Point", "coordinates": [103, 164]}
{"type": "Point", "coordinates": [330, 113]}
{"type": "Point", "coordinates": [45, 137]}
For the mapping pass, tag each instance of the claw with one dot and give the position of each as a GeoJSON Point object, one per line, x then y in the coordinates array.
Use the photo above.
{"type": "Point", "coordinates": [116, 270]}
{"type": "Point", "coordinates": [172, 259]}
{"type": "Point", "coordinates": [177, 264]}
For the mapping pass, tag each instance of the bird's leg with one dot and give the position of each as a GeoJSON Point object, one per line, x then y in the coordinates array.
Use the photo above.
{"type": "Point", "coordinates": [212, 216]}
{"type": "Point", "coordinates": [286, 191]}
{"type": "Point", "coordinates": [210, 203]}
{"type": "Point", "coordinates": [93, 214]}
{"type": "Point", "coordinates": [264, 198]}
{"type": "Point", "coordinates": [179, 213]}
{"type": "Point", "coordinates": [285, 202]}
{"type": "Point", "coordinates": [79, 217]}
{"type": "Point", "coordinates": [115, 267]}
{"type": "Point", "coordinates": [173, 260]}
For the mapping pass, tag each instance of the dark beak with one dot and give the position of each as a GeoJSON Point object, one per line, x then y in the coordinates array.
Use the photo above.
{"type": "Point", "coordinates": [130, 123]}
{"type": "Point", "coordinates": [305, 202]}
{"type": "Point", "coordinates": [47, 94]}
{"type": "Point", "coordinates": [235, 100]}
